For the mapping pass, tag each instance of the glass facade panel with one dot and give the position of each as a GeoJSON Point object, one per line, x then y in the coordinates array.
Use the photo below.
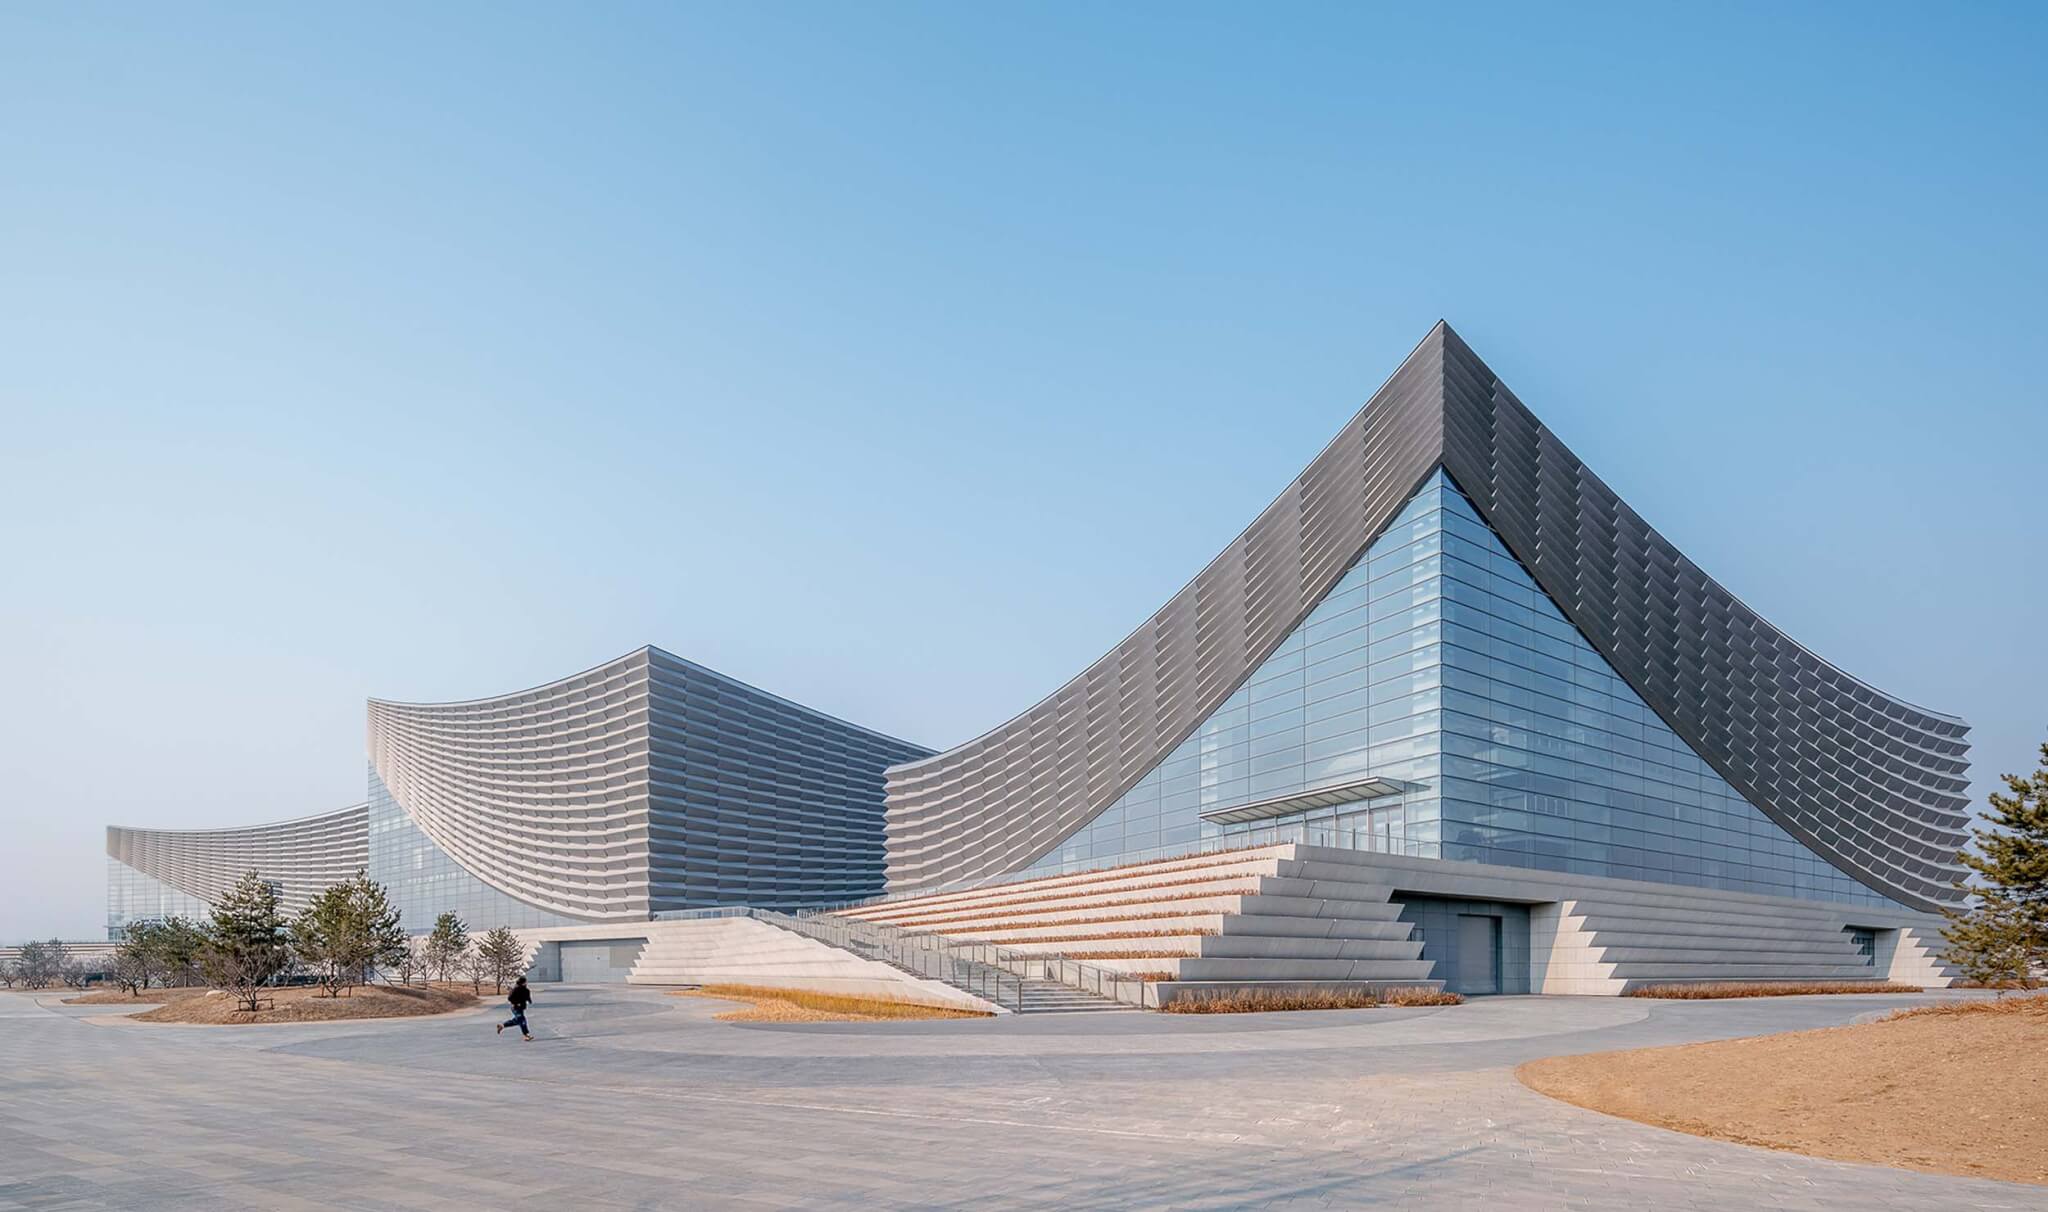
{"type": "Point", "coordinates": [424, 881]}
{"type": "Point", "coordinates": [135, 897]}
{"type": "Point", "coordinates": [1436, 661]}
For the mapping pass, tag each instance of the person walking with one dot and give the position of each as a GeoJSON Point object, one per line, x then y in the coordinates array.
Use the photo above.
{"type": "Point", "coordinates": [520, 998]}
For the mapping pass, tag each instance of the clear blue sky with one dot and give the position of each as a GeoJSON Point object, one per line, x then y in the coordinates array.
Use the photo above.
{"type": "Point", "coordinates": [432, 352]}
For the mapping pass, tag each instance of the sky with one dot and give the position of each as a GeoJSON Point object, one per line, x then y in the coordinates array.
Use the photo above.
{"type": "Point", "coordinates": [900, 359]}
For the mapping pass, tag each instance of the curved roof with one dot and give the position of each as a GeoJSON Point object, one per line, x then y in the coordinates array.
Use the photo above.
{"type": "Point", "coordinates": [304, 855]}
{"type": "Point", "coordinates": [1872, 783]}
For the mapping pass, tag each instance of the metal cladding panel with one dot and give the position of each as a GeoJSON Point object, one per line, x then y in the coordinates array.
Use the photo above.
{"type": "Point", "coordinates": [648, 783]}
{"type": "Point", "coordinates": [996, 803]}
{"type": "Point", "coordinates": [1871, 783]}
{"type": "Point", "coordinates": [757, 800]}
{"type": "Point", "coordinates": [542, 794]}
{"type": "Point", "coordinates": [1875, 785]}
{"type": "Point", "coordinates": [303, 856]}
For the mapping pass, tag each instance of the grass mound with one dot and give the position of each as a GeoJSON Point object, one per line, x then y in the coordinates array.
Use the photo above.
{"type": "Point", "coordinates": [300, 1004]}
{"type": "Point", "coordinates": [1712, 991]}
{"type": "Point", "coordinates": [1260, 1001]}
{"type": "Point", "coordinates": [771, 1005]}
{"type": "Point", "coordinates": [1953, 1089]}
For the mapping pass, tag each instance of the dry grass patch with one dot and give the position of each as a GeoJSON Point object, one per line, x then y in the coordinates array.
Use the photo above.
{"type": "Point", "coordinates": [1260, 1001]}
{"type": "Point", "coordinates": [300, 1005]}
{"type": "Point", "coordinates": [1957, 1089]}
{"type": "Point", "coordinates": [121, 997]}
{"type": "Point", "coordinates": [771, 1005]}
{"type": "Point", "coordinates": [1709, 991]}
{"type": "Point", "coordinates": [2037, 1005]}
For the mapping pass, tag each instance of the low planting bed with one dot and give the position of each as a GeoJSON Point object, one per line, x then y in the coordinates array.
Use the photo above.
{"type": "Point", "coordinates": [1256, 1001]}
{"type": "Point", "coordinates": [304, 1004]}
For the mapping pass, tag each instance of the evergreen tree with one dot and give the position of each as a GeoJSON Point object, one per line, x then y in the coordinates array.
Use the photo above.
{"type": "Point", "coordinates": [503, 955]}
{"type": "Point", "coordinates": [181, 942]}
{"type": "Point", "coordinates": [347, 931]}
{"type": "Point", "coordinates": [2002, 938]}
{"type": "Point", "coordinates": [246, 942]}
{"type": "Point", "coordinates": [445, 945]}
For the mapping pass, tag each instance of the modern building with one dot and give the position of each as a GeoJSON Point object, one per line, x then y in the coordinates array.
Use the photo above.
{"type": "Point", "coordinates": [645, 785]}
{"type": "Point", "coordinates": [1453, 653]}
{"type": "Point", "coordinates": [1447, 711]}
{"type": "Point", "coordinates": [154, 874]}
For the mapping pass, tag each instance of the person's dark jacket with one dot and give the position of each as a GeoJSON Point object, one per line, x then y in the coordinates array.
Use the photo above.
{"type": "Point", "coordinates": [520, 996]}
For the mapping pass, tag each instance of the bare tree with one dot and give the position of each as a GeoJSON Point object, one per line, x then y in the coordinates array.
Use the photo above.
{"type": "Point", "coordinates": [76, 973]}
{"type": "Point", "coordinates": [10, 973]}
{"type": "Point", "coordinates": [473, 964]}
{"type": "Point", "coordinates": [42, 964]}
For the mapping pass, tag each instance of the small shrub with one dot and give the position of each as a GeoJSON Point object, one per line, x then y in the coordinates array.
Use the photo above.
{"type": "Point", "coordinates": [1712, 990]}
{"type": "Point", "coordinates": [1260, 1001]}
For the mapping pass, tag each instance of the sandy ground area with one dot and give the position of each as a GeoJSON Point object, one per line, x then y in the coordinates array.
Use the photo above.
{"type": "Point", "coordinates": [302, 1005]}
{"type": "Point", "coordinates": [1950, 1090]}
{"type": "Point", "coordinates": [799, 1006]}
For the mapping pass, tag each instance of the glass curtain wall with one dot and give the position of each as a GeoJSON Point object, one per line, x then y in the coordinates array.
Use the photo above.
{"type": "Point", "coordinates": [1436, 662]}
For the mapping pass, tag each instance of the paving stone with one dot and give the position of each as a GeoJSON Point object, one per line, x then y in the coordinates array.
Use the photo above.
{"type": "Point", "coordinates": [637, 1100]}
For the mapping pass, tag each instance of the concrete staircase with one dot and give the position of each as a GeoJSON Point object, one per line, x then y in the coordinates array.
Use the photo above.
{"type": "Point", "coordinates": [1612, 942]}
{"type": "Point", "coordinates": [1262, 918]}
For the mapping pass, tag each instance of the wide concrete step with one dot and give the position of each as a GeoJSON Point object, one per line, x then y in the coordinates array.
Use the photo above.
{"type": "Point", "coordinates": [1150, 870]}
{"type": "Point", "coordinates": [1263, 970]}
{"type": "Point", "coordinates": [1251, 924]}
{"type": "Point", "coordinates": [1003, 895]}
{"type": "Point", "coordinates": [1660, 928]}
{"type": "Point", "coordinates": [1727, 914]}
{"type": "Point", "coordinates": [1743, 970]}
{"type": "Point", "coordinates": [1838, 948]}
{"type": "Point", "coordinates": [1147, 895]}
{"type": "Point", "coordinates": [1230, 947]}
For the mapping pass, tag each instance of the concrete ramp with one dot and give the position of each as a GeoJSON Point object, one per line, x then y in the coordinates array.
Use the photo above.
{"type": "Point", "coordinates": [745, 951]}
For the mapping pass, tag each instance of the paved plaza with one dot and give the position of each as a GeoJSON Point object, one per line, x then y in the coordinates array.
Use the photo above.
{"type": "Point", "coordinates": [632, 1099]}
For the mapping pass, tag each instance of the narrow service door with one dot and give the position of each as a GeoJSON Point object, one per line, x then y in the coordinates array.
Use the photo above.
{"type": "Point", "coordinates": [1478, 954]}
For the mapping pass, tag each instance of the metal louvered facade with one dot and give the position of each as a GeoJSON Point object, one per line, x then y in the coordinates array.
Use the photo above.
{"type": "Point", "coordinates": [1870, 783]}
{"type": "Point", "coordinates": [160, 872]}
{"type": "Point", "coordinates": [646, 784]}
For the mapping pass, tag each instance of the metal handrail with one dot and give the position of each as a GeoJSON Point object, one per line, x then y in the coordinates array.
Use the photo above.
{"type": "Point", "coordinates": [1019, 966]}
{"type": "Point", "coordinates": [951, 965]}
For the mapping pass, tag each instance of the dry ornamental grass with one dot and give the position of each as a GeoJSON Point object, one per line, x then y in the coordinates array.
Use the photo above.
{"type": "Point", "coordinates": [1953, 1089]}
{"type": "Point", "coordinates": [771, 1005]}
{"type": "Point", "coordinates": [1259, 1001]}
{"type": "Point", "coordinates": [1710, 991]}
